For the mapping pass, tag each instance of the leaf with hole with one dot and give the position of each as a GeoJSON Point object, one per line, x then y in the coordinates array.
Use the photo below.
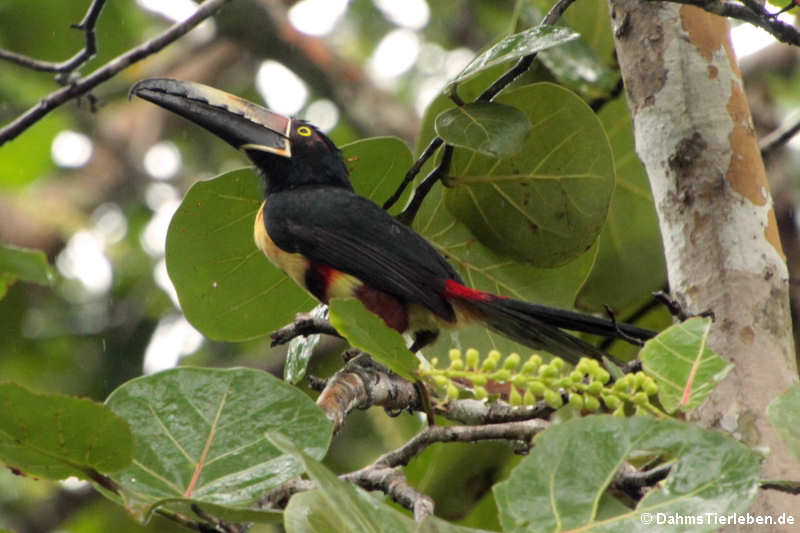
{"type": "Point", "coordinates": [683, 365]}
{"type": "Point", "coordinates": [200, 437]}
{"type": "Point", "coordinates": [54, 436]}
{"type": "Point", "coordinates": [548, 203]}
{"type": "Point", "coordinates": [558, 487]}
{"type": "Point", "coordinates": [301, 348]}
{"type": "Point", "coordinates": [492, 129]}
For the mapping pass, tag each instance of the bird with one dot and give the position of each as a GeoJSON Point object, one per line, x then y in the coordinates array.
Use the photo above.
{"type": "Point", "coordinates": [335, 243]}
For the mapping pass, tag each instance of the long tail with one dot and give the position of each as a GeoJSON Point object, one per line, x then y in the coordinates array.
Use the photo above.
{"type": "Point", "coordinates": [537, 326]}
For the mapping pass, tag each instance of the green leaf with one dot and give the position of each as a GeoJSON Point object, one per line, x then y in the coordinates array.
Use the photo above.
{"type": "Point", "coordinates": [630, 264]}
{"type": "Point", "coordinates": [55, 436]}
{"type": "Point", "coordinates": [434, 524]}
{"type": "Point", "coordinates": [227, 289]}
{"type": "Point", "coordinates": [683, 365]}
{"type": "Point", "coordinates": [516, 46]}
{"type": "Point", "coordinates": [547, 204]}
{"type": "Point", "coordinates": [25, 264]}
{"type": "Point", "coordinates": [492, 129]}
{"type": "Point", "coordinates": [301, 349]}
{"type": "Point", "coordinates": [367, 331]}
{"type": "Point", "coordinates": [377, 166]}
{"type": "Point", "coordinates": [557, 487]}
{"type": "Point", "coordinates": [336, 505]}
{"type": "Point", "coordinates": [783, 413]}
{"type": "Point", "coordinates": [200, 436]}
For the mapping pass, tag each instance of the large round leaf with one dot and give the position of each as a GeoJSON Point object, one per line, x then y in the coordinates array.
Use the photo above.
{"type": "Point", "coordinates": [227, 288]}
{"type": "Point", "coordinates": [630, 263]}
{"type": "Point", "coordinates": [200, 436]}
{"type": "Point", "coordinates": [548, 203]}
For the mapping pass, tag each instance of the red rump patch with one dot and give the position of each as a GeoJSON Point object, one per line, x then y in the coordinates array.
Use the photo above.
{"type": "Point", "coordinates": [453, 289]}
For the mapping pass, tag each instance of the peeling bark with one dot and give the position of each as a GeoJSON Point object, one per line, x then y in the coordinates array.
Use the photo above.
{"type": "Point", "coordinates": [695, 137]}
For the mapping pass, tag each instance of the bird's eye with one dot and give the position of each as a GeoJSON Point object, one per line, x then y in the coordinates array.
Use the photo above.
{"type": "Point", "coordinates": [305, 131]}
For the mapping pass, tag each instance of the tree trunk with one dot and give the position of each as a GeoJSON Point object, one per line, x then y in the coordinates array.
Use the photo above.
{"type": "Point", "coordinates": [695, 137]}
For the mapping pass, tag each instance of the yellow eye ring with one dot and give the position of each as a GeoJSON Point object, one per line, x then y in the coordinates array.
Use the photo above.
{"type": "Point", "coordinates": [305, 131]}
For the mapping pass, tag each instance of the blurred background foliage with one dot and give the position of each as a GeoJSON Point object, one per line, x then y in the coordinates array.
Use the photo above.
{"type": "Point", "coordinates": [95, 183]}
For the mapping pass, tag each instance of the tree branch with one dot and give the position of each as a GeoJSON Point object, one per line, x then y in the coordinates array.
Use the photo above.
{"type": "Point", "coordinates": [87, 25]}
{"type": "Point", "coordinates": [384, 476]}
{"type": "Point", "coordinates": [87, 83]}
{"type": "Point", "coordinates": [407, 216]}
{"type": "Point", "coordinates": [753, 13]}
{"type": "Point", "coordinates": [363, 383]}
{"type": "Point", "coordinates": [302, 326]}
{"type": "Point", "coordinates": [394, 484]}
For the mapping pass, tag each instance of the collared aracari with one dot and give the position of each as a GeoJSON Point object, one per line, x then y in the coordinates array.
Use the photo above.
{"type": "Point", "coordinates": [335, 243]}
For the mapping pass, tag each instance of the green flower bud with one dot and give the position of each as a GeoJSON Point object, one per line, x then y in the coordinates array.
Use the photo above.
{"type": "Point", "coordinates": [454, 354]}
{"type": "Point", "coordinates": [602, 376]}
{"type": "Point", "coordinates": [440, 380]}
{"type": "Point", "coordinates": [519, 381]}
{"type": "Point", "coordinates": [591, 403]}
{"type": "Point", "coordinates": [619, 412]}
{"type": "Point", "coordinates": [650, 387]}
{"type": "Point", "coordinates": [594, 388]}
{"type": "Point", "coordinates": [537, 388]}
{"type": "Point", "coordinates": [494, 355]}
{"type": "Point", "coordinates": [553, 399]}
{"type": "Point", "coordinates": [456, 364]}
{"type": "Point", "coordinates": [548, 371]}
{"type": "Point", "coordinates": [511, 362]}
{"type": "Point", "coordinates": [575, 376]}
{"type": "Point", "coordinates": [583, 366]}
{"type": "Point", "coordinates": [612, 402]}
{"type": "Point", "coordinates": [473, 359]}
{"type": "Point", "coordinates": [480, 393]}
{"type": "Point", "coordinates": [502, 375]}
{"type": "Point", "coordinates": [528, 398]}
{"type": "Point", "coordinates": [557, 363]}
{"type": "Point", "coordinates": [514, 397]}
{"type": "Point", "coordinates": [640, 398]}
{"type": "Point", "coordinates": [576, 401]}
{"type": "Point", "coordinates": [452, 392]}
{"type": "Point", "coordinates": [435, 362]}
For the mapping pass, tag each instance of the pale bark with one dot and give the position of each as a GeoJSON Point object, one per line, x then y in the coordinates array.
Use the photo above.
{"type": "Point", "coordinates": [695, 137]}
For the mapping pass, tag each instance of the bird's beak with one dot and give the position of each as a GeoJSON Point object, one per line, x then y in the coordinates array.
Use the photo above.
{"type": "Point", "coordinates": [243, 124]}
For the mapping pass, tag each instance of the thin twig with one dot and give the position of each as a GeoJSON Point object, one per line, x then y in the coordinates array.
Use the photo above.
{"type": "Point", "coordinates": [790, 487]}
{"type": "Point", "coordinates": [780, 136]}
{"type": "Point", "coordinates": [87, 83]}
{"type": "Point", "coordinates": [752, 13]}
{"type": "Point", "coordinates": [413, 171]}
{"type": "Point", "coordinates": [523, 431]}
{"type": "Point", "coordinates": [87, 25]}
{"type": "Point", "coordinates": [407, 216]}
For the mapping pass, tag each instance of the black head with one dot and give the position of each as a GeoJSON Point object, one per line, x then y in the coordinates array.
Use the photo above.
{"type": "Point", "coordinates": [287, 152]}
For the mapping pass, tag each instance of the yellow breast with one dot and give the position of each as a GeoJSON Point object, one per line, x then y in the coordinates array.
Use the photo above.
{"type": "Point", "coordinates": [295, 265]}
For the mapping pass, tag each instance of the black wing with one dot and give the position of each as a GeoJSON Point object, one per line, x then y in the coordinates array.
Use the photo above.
{"type": "Point", "coordinates": [338, 228]}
